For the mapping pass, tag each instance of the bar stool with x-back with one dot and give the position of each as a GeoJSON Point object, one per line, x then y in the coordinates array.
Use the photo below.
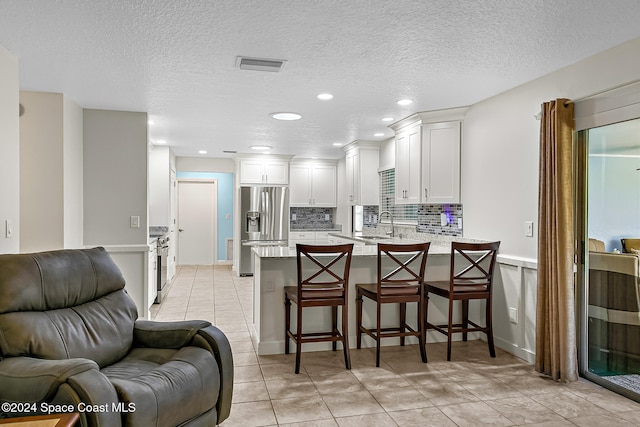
{"type": "Point", "coordinates": [400, 280]}
{"type": "Point", "coordinates": [323, 281]}
{"type": "Point", "coordinates": [470, 278]}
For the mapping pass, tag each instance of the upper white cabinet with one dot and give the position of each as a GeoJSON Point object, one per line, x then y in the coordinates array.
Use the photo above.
{"type": "Point", "coordinates": [313, 184]}
{"type": "Point", "coordinates": [264, 171]}
{"type": "Point", "coordinates": [362, 183]}
{"type": "Point", "coordinates": [441, 162]}
{"type": "Point", "coordinates": [407, 168]}
{"type": "Point", "coordinates": [427, 163]}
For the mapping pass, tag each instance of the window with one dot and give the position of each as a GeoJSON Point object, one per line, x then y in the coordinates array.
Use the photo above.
{"type": "Point", "coordinates": [401, 213]}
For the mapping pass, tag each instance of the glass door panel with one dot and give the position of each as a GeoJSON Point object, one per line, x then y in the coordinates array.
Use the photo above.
{"type": "Point", "coordinates": [611, 292]}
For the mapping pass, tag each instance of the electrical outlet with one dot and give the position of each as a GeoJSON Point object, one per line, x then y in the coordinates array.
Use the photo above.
{"type": "Point", "coordinates": [293, 217]}
{"type": "Point", "coordinates": [513, 315]}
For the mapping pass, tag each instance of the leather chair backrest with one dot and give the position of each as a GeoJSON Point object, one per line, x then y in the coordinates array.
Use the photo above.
{"type": "Point", "coordinates": [65, 304]}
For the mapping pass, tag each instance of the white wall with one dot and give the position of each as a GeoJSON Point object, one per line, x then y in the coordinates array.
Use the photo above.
{"type": "Point", "coordinates": [500, 175]}
{"type": "Point", "coordinates": [205, 164]}
{"type": "Point", "coordinates": [50, 172]}
{"type": "Point", "coordinates": [41, 191]}
{"type": "Point", "coordinates": [159, 182]}
{"type": "Point", "coordinates": [73, 174]}
{"type": "Point", "coordinates": [115, 177]}
{"type": "Point", "coordinates": [115, 188]}
{"type": "Point", "coordinates": [9, 151]}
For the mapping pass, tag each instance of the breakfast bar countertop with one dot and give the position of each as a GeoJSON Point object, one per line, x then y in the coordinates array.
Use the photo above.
{"type": "Point", "coordinates": [440, 245]}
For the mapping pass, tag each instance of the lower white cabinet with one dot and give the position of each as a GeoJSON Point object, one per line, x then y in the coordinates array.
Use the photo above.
{"type": "Point", "coordinates": [309, 237]}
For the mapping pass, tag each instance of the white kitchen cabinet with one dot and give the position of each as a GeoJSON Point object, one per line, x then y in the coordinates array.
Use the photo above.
{"type": "Point", "coordinates": [313, 185]}
{"type": "Point", "coordinates": [407, 170]}
{"type": "Point", "coordinates": [427, 163]}
{"type": "Point", "coordinates": [362, 182]}
{"type": "Point", "coordinates": [310, 237]}
{"type": "Point", "coordinates": [261, 171]}
{"type": "Point", "coordinates": [441, 162]}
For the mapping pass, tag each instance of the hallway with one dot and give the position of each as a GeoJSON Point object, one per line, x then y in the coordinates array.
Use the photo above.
{"type": "Point", "coordinates": [473, 389]}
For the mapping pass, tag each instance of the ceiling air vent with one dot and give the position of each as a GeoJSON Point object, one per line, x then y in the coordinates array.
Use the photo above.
{"type": "Point", "coordinates": [257, 64]}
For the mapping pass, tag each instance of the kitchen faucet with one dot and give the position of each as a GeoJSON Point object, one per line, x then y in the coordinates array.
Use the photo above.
{"type": "Point", "coordinates": [390, 233]}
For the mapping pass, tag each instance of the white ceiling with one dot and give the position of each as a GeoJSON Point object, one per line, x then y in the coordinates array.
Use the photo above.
{"type": "Point", "coordinates": [176, 60]}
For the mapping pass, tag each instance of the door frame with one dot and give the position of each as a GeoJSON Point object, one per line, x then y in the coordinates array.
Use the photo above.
{"type": "Point", "coordinates": [215, 213]}
{"type": "Point", "coordinates": [606, 108]}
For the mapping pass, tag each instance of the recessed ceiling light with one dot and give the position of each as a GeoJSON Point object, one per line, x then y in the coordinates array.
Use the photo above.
{"type": "Point", "coordinates": [378, 134]}
{"type": "Point", "coordinates": [202, 152]}
{"type": "Point", "coordinates": [161, 141]}
{"type": "Point", "coordinates": [151, 122]}
{"type": "Point", "coordinates": [286, 116]}
{"type": "Point", "coordinates": [337, 144]}
{"type": "Point", "coordinates": [404, 101]}
{"type": "Point", "coordinates": [261, 147]}
{"type": "Point", "coordinates": [325, 96]}
{"type": "Point", "coordinates": [387, 119]}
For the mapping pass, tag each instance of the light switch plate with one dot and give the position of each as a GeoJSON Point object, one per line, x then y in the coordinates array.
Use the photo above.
{"type": "Point", "coordinates": [8, 229]}
{"type": "Point", "coordinates": [528, 228]}
{"type": "Point", "coordinates": [135, 221]}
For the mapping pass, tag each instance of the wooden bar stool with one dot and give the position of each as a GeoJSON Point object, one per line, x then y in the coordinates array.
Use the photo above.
{"type": "Point", "coordinates": [323, 281]}
{"type": "Point", "coordinates": [400, 280]}
{"type": "Point", "coordinates": [470, 278]}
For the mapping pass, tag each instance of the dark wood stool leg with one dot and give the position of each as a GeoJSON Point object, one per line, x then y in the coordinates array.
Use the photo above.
{"type": "Point", "coordinates": [421, 329]}
{"type": "Point", "coordinates": [449, 329]}
{"type": "Point", "coordinates": [334, 326]}
{"type": "Point", "coordinates": [298, 339]}
{"type": "Point", "coordinates": [378, 333]}
{"type": "Point", "coordinates": [465, 318]}
{"type": "Point", "coordinates": [358, 320]}
{"type": "Point", "coordinates": [489, 326]}
{"type": "Point", "coordinates": [287, 323]}
{"type": "Point", "coordinates": [345, 336]}
{"type": "Point", "coordinates": [403, 321]}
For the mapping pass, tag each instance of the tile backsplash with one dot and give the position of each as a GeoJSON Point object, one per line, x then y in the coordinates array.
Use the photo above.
{"type": "Point", "coordinates": [430, 217]}
{"type": "Point", "coordinates": [370, 214]}
{"type": "Point", "coordinates": [302, 218]}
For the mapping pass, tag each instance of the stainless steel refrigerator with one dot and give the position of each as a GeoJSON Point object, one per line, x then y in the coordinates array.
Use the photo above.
{"type": "Point", "coordinates": [265, 221]}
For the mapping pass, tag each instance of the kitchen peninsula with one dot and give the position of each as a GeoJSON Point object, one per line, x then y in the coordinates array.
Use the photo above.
{"type": "Point", "coordinates": [275, 268]}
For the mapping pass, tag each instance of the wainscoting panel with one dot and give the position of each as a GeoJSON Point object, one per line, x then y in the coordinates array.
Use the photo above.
{"type": "Point", "coordinates": [514, 310]}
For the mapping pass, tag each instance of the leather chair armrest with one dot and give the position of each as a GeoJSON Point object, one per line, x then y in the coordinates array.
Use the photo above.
{"type": "Point", "coordinates": [221, 348]}
{"type": "Point", "coordinates": [152, 334]}
{"type": "Point", "coordinates": [26, 379]}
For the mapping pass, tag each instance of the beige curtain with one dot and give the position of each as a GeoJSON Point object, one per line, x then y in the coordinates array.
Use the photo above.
{"type": "Point", "coordinates": [556, 344]}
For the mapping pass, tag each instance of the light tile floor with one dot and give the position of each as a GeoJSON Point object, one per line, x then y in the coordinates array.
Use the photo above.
{"type": "Point", "coordinates": [473, 389]}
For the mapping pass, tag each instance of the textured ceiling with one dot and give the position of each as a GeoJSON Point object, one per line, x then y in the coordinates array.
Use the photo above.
{"type": "Point", "coordinates": [176, 60]}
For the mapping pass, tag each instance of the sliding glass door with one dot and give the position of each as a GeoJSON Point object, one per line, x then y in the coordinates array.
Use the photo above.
{"type": "Point", "coordinates": [608, 220]}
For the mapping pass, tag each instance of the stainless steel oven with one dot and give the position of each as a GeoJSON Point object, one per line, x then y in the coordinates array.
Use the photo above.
{"type": "Point", "coordinates": [163, 254]}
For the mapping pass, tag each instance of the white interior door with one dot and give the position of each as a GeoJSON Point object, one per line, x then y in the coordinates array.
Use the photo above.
{"type": "Point", "coordinates": [197, 221]}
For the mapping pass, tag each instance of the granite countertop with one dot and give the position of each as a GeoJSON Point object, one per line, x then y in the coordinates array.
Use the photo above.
{"type": "Point", "coordinates": [440, 245]}
{"type": "Point", "coordinates": [332, 228]}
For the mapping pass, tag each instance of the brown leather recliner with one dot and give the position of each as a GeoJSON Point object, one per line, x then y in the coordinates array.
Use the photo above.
{"type": "Point", "coordinates": [69, 336]}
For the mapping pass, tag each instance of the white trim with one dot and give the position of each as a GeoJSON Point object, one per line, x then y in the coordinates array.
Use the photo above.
{"type": "Point", "coordinates": [122, 248]}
